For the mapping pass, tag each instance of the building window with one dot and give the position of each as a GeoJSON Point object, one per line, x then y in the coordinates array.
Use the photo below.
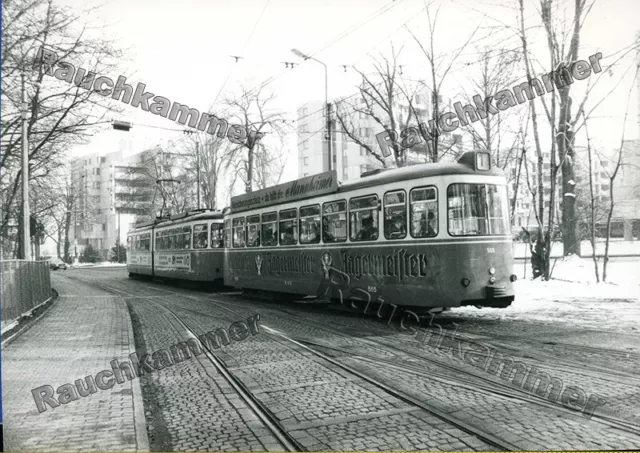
{"type": "Point", "coordinates": [303, 129]}
{"type": "Point", "coordinates": [345, 141]}
{"type": "Point", "coordinates": [304, 175]}
{"type": "Point", "coordinates": [306, 160]}
{"type": "Point", "coordinates": [363, 151]}
{"type": "Point", "coordinates": [103, 160]}
{"type": "Point", "coordinates": [304, 111]}
{"type": "Point", "coordinates": [305, 144]}
{"type": "Point", "coordinates": [363, 115]}
{"type": "Point", "coordinates": [104, 227]}
{"type": "Point", "coordinates": [96, 171]}
{"type": "Point", "coordinates": [345, 174]}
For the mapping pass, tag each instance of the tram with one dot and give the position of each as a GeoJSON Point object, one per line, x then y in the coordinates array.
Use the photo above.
{"type": "Point", "coordinates": [430, 236]}
{"type": "Point", "coordinates": [186, 246]}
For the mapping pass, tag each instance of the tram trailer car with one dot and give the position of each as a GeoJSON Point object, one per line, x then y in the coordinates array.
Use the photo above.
{"type": "Point", "coordinates": [426, 237]}
{"type": "Point", "coordinates": [187, 246]}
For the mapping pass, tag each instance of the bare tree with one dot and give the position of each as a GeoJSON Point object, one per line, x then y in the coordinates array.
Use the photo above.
{"type": "Point", "coordinates": [60, 114]}
{"type": "Point", "coordinates": [612, 176]}
{"type": "Point", "coordinates": [380, 95]}
{"type": "Point", "coordinates": [253, 111]}
{"type": "Point", "coordinates": [440, 67]}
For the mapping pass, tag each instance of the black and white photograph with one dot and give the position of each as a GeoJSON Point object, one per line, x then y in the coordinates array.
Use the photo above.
{"type": "Point", "coordinates": [320, 225]}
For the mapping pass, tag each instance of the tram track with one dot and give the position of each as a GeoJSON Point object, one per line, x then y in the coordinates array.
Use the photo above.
{"type": "Point", "coordinates": [323, 351]}
{"type": "Point", "coordinates": [270, 420]}
{"type": "Point", "coordinates": [487, 385]}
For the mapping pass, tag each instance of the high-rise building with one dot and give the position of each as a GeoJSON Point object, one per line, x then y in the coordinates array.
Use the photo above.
{"type": "Point", "coordinates": [112, 191]}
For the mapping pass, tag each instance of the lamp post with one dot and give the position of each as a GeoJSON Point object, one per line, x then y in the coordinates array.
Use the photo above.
{"type": "Point", "coordinates": [26, 238]}
{"type": "Point", "coordinates": [326, 102]}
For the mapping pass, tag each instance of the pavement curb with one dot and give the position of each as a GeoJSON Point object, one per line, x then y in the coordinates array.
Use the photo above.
{"type": "Point", "coordinates": [26, 322]}
{"type": "Point", "coordinates": [142, 440]}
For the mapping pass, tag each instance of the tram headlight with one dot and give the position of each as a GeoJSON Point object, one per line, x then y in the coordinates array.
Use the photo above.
{"type": "Point", "coordinates": [492, 280]}
{"type": "Point", "coordinates": [492, 270]}
{"type": "Point", "coordinates": [465, 282]}
{"type": "Point", "coordinates": [513, 277]}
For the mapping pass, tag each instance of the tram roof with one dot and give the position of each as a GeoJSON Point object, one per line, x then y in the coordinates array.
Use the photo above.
{"type": "Point", "coordinates": [177, 219]}
{"type": "Point", "coordinates": [466, 165]}
{"type": "Point", "coordinates": [416, 172]}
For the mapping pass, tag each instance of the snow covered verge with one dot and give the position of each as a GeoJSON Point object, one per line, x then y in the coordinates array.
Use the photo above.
{"type": "Point", "coordinates": [103, 264]}
{"type": "Point", "coordinates": [573, 297]}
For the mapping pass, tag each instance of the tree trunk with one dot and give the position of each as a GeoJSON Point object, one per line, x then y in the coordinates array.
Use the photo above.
{"type": "Point", "coordinates": [570, 242]}
{"type": "Point", "coordinates": [67, 228]}
{"type": "Point", "coordinates": [593, 213]}
{"type": "Point", "coordinates": [249, 185]}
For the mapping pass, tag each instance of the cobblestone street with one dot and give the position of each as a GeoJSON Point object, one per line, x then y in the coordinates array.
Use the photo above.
{"type": "Point", "coordinates": [310, 377]}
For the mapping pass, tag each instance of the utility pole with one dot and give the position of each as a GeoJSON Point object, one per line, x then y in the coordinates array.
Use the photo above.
{"type": "Point", "coordinates": [328, 135]}
{"type": "Point", "coordinates": [25, 175]}
{"type": "Point", "coordinates": [118, 239]}
{"type": "Point", "coordinates": [198, 170]}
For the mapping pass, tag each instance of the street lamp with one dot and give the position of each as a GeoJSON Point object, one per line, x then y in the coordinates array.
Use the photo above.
{"type": "Point", "coordinates": [26, 238]}
{"type": "Point", "coordinates": [326, 101]}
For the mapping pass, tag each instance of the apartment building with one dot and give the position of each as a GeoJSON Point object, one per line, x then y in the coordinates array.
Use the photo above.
{"type": "Point", "coordinates": [113, 191]}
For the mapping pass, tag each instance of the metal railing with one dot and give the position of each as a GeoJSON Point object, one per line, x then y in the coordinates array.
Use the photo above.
{"type": "Point", "coordinates": [25, 285]}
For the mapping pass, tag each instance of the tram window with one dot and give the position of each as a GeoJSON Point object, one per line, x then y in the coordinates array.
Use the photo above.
{"type": "Point", "coordinates": [186, 237]}
{"type": "Point", "coordinates": [270, 229]}
{"type": "Point", "coordinates": [253, 230]}
{"type": "Point", "coordinates": [217, 233]}
{"type": "Point", "coordinates": [146, 242]}
{"type": "Point", "coordinates": [158, 241]}
{"type": "Point", "coordinates": [137, 242]}
{"type": "Point", "coordinates": [334, 221]}
{"type": "Point", "coordinates": [498, 209]}
{"type": "Point", "coordinates": [200, 236]}
{"type": "Point", "coordinates": [310, 224]}
{"type": "Point", "coordinates": [128, 242]}
{"type": "Point", "coordinates": [227, 233]}
{"type": "Point", "coordinates": [424, 212]}
{"type": "Point", "coordinates": [238, 232]}
{"type": "Point", "coordinates": [288, 227]}
{"type": "Point", "coordinates": [467, 209]}
{"type": "Point", "coordinates": [363, 218]}
{"type": "Point", "coordinates": [395, 215]}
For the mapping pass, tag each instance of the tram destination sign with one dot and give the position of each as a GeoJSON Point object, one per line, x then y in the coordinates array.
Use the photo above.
{"type": "Point", "coordinates": [306, 187]}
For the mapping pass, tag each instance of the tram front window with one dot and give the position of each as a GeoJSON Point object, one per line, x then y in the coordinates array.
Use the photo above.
{"type": "Point", "coordinates": [477, 210]}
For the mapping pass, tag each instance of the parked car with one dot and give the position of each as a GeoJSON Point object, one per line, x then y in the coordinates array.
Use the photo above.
{"type": "Point", "coordinates": [57, 263]}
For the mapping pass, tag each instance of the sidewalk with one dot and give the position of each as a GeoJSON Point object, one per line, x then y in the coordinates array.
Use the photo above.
{"type": "Point", "coordinates": [79, 335]}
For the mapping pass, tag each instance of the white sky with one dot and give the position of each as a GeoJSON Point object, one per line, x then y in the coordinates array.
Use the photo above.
{"type": "Point", "coordinates": [181, 50]}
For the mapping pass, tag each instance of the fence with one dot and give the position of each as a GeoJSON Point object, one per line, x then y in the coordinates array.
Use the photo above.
{"type": "Point", "coordinates": [25, 285]}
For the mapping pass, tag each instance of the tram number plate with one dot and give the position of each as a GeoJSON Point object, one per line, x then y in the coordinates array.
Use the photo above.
{"type": "Point", "coordinates": [288, 283]}
{"type": "Point", "coordinates": [491, 250]}
{"type": "Point", "coordinates": [372, 289]}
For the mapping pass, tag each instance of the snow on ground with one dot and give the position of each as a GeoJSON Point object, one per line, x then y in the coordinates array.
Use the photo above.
{"type": "Point", "coordinates": [103, 264]}
{"type": "Point", "coordinates": [573, 297]}
{"type": "Point", "coordinates": [616, 248]}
